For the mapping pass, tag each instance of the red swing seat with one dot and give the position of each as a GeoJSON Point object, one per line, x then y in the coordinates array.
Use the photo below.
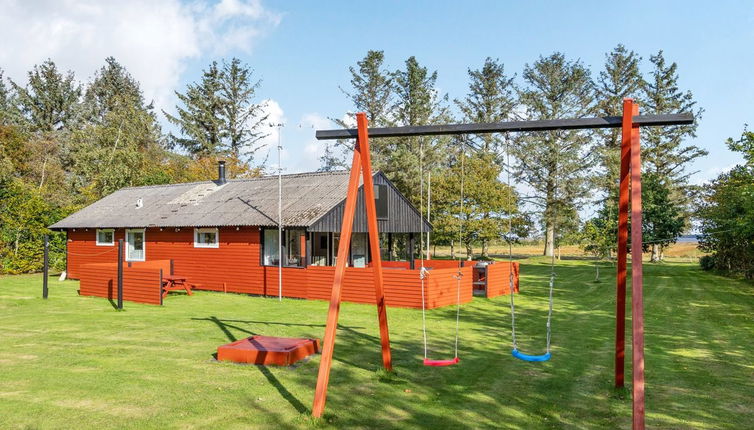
{"type": "Point", "coordinates": [441, 363]}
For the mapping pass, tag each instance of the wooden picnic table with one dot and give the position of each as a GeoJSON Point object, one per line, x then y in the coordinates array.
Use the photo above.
{"type": "Point", "coordinates": [173, 283]}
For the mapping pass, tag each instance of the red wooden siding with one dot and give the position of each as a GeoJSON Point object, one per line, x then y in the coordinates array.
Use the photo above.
{"type": "Point", "coordinates": [235, 262]}
{"type": "Point", "coordinates": [83, 249]}
{"type": "Point", "coordinates": [235, 267]}
{"type": "Point", "coordinates": [498, 280]}
{"type": "Point", "coordinates": [140, 283]}
{"type": "Point", "coordinates": [402, 287]}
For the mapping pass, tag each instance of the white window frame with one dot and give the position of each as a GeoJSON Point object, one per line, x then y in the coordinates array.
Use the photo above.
{"type": "Point", "coordinates": [111, 230]}
{"type": "Point", "coordinates": [206, 230]}
{"type": "Point", "coordinates": [144, 233]}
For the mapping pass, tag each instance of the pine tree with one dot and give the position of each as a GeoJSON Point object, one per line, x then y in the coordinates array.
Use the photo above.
{"type": "Point", "coordinates": [372, 88]}
{"type": "Point", "coordinates": [555, 164]}
{"type": "Point", "coordinates": [371, 92]}
{"type": "Point", "coordinates": [111, 88]}
{"type": "Point", "coordinates": [219, 116]}
{"type": "Point", "coordinates": [417, 102]}
{"type": "Point", "coordinates": [330, 160]}
{"type": "Point", "coordinates": [491, 98]}
{"type": "Point", "coordinates": [243, 117]}
{"type": "Point", "coordinates": [621, 78]}
{"type": "Point", "coordinates": [50, 99]}
{"type": "Point", "coordinates": [8, 110]}
{"type": "Point", "coordinates": [201, 118]}
{"type": "Point", "coordinates": [663, 149]}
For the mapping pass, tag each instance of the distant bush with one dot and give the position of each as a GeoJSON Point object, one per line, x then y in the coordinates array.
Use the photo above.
{"type": "Point", "coordinates": [707, 262]}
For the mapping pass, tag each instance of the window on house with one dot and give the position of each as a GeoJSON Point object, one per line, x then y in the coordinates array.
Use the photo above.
{"type": "Point", "coordinates": [380, 200]}
{"type": "Point", "coordinates": [295, 246]}
{"type": "Point", "coordinates": [206, 238]}
{"type": "Point", "coordinates": [271, 255]}
{"type": "Point", "coordinates": [335, 246]}
{"type": "Point", "coordinates": [135, 249]}
{"type": "Point", "coordinates": [320, 249]}
{"type": "Point", "coordinates": [359, 253]}
{"type": "Point", "coordinates": [105, 237]}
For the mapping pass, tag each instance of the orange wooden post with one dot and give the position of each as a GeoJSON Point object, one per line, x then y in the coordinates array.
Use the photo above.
{"type": "Point", "coordinates": [349, 211]}
{"type": "Point", "coordinates": [374, 238]}
{"type": "Point", "coordinates": [637, 282]}
{"type": "Point", "coordinates": [620, 302]}
{"type": "Point", "coordinates": [323, 377]}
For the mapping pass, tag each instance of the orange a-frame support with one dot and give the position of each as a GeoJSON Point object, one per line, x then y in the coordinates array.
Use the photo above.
{"type": "Point", "coordinates": [360, 166]}
{"type": "Point", "coordinates": [630, 183]}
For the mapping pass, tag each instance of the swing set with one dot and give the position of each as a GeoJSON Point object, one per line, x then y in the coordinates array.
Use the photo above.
{"type": "Point", "coordinates": [361, 167]}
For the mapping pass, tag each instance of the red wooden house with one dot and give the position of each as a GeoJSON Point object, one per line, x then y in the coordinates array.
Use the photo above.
{"type": "Point", "coordinates": [222, 235]}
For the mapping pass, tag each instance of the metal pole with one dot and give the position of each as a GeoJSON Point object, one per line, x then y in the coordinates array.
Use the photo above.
{"type": "Point", "coordinates": [45, 270]}
{"type": "Point", "coordinates": [280, 215]}
{"type": "Point", "coordinates": [120, 273]}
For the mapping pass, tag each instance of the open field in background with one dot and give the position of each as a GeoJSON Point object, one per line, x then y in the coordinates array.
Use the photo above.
{"type": "Point", "coordinates": [74, 362]}
{"type": "Point", "coordinates": [682, 251]}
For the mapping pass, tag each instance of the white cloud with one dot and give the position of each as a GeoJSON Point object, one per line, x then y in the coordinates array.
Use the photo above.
{"type": "Point", "coordinates": [243, 22]}
{"type": "Point", "coordinates": [153, 39]}
{"type": "Point", "coordinates": [711, 173]}
{"type": "Point", "coordinates": [314, 120]}
{"type": "Point", "coordinates": [313, 149]}
{"type": "Point", "coordinates": [269, 144]}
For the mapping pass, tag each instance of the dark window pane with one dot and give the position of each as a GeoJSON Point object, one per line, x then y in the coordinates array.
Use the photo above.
{"type": "Point", "coordinates": [380, 200]}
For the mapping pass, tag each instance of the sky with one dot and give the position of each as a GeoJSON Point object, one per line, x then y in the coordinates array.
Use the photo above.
{"type": "Point", "coordinates": [301, 50]}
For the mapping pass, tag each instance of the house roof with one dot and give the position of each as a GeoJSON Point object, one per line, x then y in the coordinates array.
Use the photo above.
{"type": "Point", "coordinates": [238, 202]}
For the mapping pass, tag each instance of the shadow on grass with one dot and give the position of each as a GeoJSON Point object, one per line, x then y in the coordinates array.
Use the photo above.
{"type": "Point", "coordinates": [573, 390]}
{"type": "Point", "coordinates": [272, 379]}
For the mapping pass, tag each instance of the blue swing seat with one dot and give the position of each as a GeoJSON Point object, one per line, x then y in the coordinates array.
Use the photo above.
{"type": "Point", "coordinates": [527, 357]}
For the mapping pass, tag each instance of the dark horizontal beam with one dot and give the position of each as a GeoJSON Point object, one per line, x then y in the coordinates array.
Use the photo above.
{"type": "Point", "coordinates": [512, 126]}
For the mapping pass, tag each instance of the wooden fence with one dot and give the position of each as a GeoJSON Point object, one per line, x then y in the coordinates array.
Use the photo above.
{"type": "Point", "coordinates": [142, 281]}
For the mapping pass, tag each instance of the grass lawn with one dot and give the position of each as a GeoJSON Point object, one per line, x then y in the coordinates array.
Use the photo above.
{"type": "Point", "coordinates": [74, 362]}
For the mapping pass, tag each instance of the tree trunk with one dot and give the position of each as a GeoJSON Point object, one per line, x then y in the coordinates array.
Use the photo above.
{"type": "Point", "coordinates": [452, 250]}
{"type": "Point", "coordinates": [655, 253]}
{"type": "Point", "coordinates": [550, 240]}
{"type": "Point", "coordinates": [44, 168]}
{"type": "Point", "coordinates": [485, 249]}
{"type": "Point", "coordinates": [469, 251]}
